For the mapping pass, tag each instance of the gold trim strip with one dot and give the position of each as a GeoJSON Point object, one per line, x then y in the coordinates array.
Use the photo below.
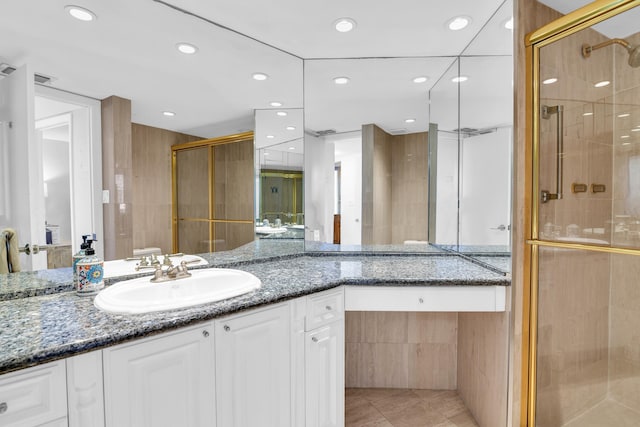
{"type": "Point", "coordinates": [533, 337]}
{"type": "Point", "coordinates": [580, 246]}
{"type": "Point", "coordinates": [230, 221]}
{"type": "Point", "coordinates": [239, 137]}
{"type": "Point", "coordinates": [582, 17]}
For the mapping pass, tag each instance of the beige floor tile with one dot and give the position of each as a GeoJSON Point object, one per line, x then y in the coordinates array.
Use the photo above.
{"type": "Point", "coordinates": [359, 412]}
{"type": "Point", "coordinates": [405, 408]}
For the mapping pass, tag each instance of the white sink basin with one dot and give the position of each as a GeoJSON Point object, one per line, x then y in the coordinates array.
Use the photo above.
{"type": "Point", "coordinates": [204, 286]}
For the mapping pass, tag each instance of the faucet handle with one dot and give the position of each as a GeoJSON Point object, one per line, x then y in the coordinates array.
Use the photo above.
{"type": "Point", "coordinates": [167, 261]}
{"type": "Point", "coordinates": [154, 260]}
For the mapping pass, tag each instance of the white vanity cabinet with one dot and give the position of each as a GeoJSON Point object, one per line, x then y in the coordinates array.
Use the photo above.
{"type": "Point", "coordinates": [34, 397]}
{"type": "Point", "coordinates": [324, 359]}
{"type": "Point", "coordinates": [253, 368]}
{"type": "Point", "coordinates": [162, 381]}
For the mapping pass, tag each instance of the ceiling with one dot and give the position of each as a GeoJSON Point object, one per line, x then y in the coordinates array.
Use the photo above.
{"type": "Point", "coordinates": [130, 51]}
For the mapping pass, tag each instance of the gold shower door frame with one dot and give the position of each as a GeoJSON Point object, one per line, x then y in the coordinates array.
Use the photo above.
{"type": "Point", "coordinates": [578, 20]}
{"type": "Point", "coordinates": [211, 220]}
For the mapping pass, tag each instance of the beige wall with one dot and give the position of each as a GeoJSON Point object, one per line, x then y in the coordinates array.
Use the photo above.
{"type": "Point", "coordinates": [117, 172]}
{"type": "Point", "coordinates": [151, 163]}
{"type": "Point", "coordinates": [482, 365]}
{"type": "Point", "coordinates": [395, 186]}
{"type": "Point", "coordinates": [401, 350]}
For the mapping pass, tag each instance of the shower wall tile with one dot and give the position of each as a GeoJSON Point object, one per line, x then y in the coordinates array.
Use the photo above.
{"type": "Point", "coordinates": [625, 335]}
{"type": "Point", "coordinates": [573, 333]}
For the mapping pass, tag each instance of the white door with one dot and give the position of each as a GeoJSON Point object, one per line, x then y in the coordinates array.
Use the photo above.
{"type": "Point", "coordinates": [21, 198]}
{"type": "Point", "coordinates": [253, 370]}
{"type": "Point", "coordinates": [161, 382]}
{"type": "Point", "coordinates": [485, 193]}
{"type": "Point", "coordinates": [324, 377]}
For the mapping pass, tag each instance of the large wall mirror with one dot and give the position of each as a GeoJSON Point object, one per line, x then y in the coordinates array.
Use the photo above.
{"type": "Point", "coordinates": [377, 127]}
{"type": "Point", "coordinates": [366, 143]}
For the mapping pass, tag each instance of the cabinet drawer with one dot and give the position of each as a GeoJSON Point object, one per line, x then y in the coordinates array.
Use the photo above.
{"type": "Point", "coordinates": [33, 396]}
{"type": "Point", "coordinates": [324, 308]}
{"type": "Point", "coordinates": [425, 298]}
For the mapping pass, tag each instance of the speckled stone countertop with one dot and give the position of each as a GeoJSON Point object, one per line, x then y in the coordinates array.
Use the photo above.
{"type": "Point", "coordinates": [42, 328]}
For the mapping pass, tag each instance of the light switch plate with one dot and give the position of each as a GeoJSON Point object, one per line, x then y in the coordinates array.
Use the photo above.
{"type": "Point", "coordinates": [105, 196]}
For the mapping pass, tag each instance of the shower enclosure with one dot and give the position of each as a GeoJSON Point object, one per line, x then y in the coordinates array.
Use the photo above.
{"type": "Point", "coordinates": [583, 333]}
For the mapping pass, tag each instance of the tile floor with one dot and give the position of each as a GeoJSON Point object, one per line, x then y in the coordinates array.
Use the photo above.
{"type": "Point", "coordinates": [607, 413]}
{"type": "Point", "coordinates": [388, 407]}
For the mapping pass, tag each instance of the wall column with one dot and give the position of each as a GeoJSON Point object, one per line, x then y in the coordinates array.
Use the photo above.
{"type": "Point", "coordinates": [117, 179]}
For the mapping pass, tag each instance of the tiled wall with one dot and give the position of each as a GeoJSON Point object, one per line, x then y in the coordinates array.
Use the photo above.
{"type": "Point", "coordinates": [441, 351]}
{"type": "Point", "coordinates": [117, 171]}
{"type": "Point", "coordinates": [573, 333]}
{"type": "Point", "coordinates": [151, 163]}
{"type": "Point", "coordinates": [395, 186]}
{"type": "Point", "coordinates": [401, 350]}
{"type": "Point", "coordinates": [624, 364]}
{"type": "Point", "coordinates": [483, 365]}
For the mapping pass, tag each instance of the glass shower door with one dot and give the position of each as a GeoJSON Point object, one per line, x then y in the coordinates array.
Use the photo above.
{"type": "Point", "coordinates": [586, 226]}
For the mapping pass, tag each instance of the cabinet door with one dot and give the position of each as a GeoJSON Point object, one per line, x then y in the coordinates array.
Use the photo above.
{"type": "Point", "coordinates": [164, 381]}
{"type": "Point", "coordinates": [325, 376]}
{"type": "Point", "coordinates": [253, 370]}
{"type": "Point", "coordinates": [34, 396]}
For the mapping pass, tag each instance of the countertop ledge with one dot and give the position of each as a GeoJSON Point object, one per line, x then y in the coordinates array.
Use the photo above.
{"type": "Point", "coordinates": [44, 328]}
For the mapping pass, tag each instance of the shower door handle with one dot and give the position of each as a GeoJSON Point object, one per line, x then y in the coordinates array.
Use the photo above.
{"type": "Point", "coordinates": [547, 112]}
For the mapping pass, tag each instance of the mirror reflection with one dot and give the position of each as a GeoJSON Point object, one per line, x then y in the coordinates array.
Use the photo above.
{"type": "Point", "coordinates": [279, 160]}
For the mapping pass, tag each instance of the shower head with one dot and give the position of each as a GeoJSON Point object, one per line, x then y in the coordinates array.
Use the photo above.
{"type": "Point", "coordinates": [634, 51]}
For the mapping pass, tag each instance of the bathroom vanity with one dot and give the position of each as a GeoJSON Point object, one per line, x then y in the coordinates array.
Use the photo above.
{"type": "Point", "coordinates": [274, 357]}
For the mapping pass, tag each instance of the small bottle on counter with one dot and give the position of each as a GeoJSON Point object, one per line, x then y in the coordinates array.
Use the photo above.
{"type": "Point", "coordinates": [80, 255]}
{"type": "Point", "coordinates": [89, 272]}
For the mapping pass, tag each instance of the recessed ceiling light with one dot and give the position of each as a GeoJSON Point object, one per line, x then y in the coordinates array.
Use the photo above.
{"type": "Point", "coordinates": [460, 79]}
{"type": "Point", "coordinates": [409, 120]}
{"type": "Point", "coordinates": [549, 81]}
{"type": "Point", "coordinates": [626, 143]}
{"type": "Point", "coordinates": [281, 113]}
{"type": "Point", "coordinates": [259, 76]}
{"type": "Point", "coordinates": [635, 130]}
{"type": "Point", "coordinates": [186, 48]}
{"type": "Point", "coordinates": [80, 13]}
{"type": "Point", "coordinates": [169, 113]}
{"type": "Point", "coordinates": [602, 83]}
{"type": "Point", "coordinates": [623, 115]}
{"type": "Point", "coordinates": [587, 114]}
{"type": "Point", "coordinates": [270, 136]}
{"type": "Point", "coordinates": [624, 137]}
{"type": "Point", "coordinates": [275, 104]}
{"type": "Point", "coordinates": [420, 79]}
{"type": "Point", "coordinates": [294, 128]}
{"type": "Point", "coordinates": [344, 25]}
{"type": "Point", "coordinates": [508, 24]}
{"type": "Point", "coordinates": [292, 148]}
{"type": "Point", "coordinates": [458, 23]}
{"type": "Point", "coordinates": [341, 80]}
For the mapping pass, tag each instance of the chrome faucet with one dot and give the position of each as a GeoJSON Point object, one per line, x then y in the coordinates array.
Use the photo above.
{"type": "Point", "coordinates": [174, 272]}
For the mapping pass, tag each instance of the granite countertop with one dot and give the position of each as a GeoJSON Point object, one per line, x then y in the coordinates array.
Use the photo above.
{"type": "Point", "coordinates": [43, 328]}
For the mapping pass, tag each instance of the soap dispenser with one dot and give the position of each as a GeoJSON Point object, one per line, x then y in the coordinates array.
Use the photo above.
{"type": "Point", "coordinates": [80, 255]}
{"type": "Point", "coordinates": [89, 272]}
